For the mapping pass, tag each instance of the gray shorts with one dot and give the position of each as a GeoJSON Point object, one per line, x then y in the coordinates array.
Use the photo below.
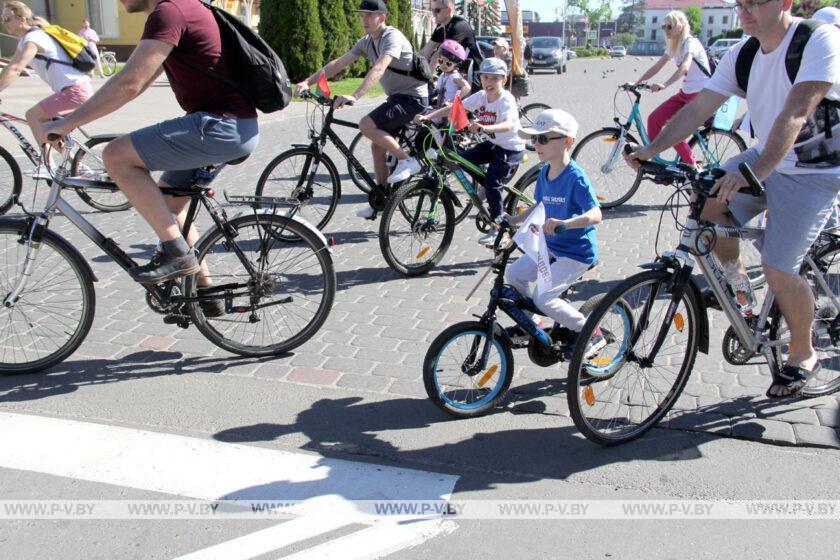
{"type": "Point", "coordinates": [797, 209]}
{"type": "Point", "coordinates": [180, 146]}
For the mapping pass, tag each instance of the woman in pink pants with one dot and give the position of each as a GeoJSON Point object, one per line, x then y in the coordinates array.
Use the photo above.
{"type": "Point", "coordinates": [692, 68]}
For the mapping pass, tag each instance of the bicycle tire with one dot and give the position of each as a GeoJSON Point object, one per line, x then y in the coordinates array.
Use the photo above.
{"type": "Point", "coordinates": [529, 113]}
{"type": "Point", "coordinates": [526, 185]}
{"type": "Point", "coordinates": [109, 64]}
{"type": "Point", "coordinates": [608, 373]}
{"type": "Point", "coordinates": [55, 268]}
{"type": "Point", "coordinates": [109, 201]}
{"type": "Point", "coordinates": [447, 400]}
{"type": "Point", "coordinates": [723, 144]}
{"type": "Point", "coordinates": [313, 273]}
{"type": "Point", "coordinates": [390, 160]}
{"type": "Point", "coordinates": [278, 181]}
{"type": "Point", "coordinates": [14, 177]}
{"type": "Point", "coordinates": [827, 381]}
{"type": "Point", "coordinates": [415, 217]}
{"type": "Point", "coordinates": [610, 194]}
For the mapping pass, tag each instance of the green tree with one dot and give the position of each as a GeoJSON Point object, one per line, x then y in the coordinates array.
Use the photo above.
{"type": "Point", "coordinates": [625, 39]}
{"type": "Point", "coordinates": [695, 19]}
{"type": "Point", "coordinates": [393, 18]}
{"type": "Point", "coordinates": [404, 22]}
{"type": "Point", "coordinates": [334, 27]}
{"type": "Point", "coordinates": [806, 8]}
{"type": "Point", "coordinates": [355, 32]}
{"type": "Point", "coordinates": [294, 32]}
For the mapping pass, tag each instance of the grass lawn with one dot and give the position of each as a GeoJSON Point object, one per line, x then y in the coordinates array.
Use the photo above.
{"type": "Point", "coordinates": [349, 85]}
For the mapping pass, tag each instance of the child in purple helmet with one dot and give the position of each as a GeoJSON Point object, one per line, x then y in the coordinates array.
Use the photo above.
{"type": "Point", "coordinates": [450, 82]}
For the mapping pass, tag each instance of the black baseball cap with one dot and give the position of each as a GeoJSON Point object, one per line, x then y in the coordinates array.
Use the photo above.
{"type": "Point", "coordinates": [373, 6]}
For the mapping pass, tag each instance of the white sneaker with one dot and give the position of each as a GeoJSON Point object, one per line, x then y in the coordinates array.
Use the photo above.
{"type": "Point", "coordinates": [39, 172]}
{"type": "Point", "coordinates": [487, 239]}
{"type": "Point", "coordinates": [595, 344]}
{"type": "Point", "coordinates": [366, 212]}
{"type": "Point", "coordinates": [405, 168]}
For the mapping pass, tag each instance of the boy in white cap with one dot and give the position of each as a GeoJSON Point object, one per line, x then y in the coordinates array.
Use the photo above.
{"type": "Point", "coordinates": [496, 114]}
{"type": "Point", "coordinates": [571, 211]}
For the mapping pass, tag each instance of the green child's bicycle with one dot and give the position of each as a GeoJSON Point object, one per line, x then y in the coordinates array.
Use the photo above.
{"type": "Point", "coordinates": [419, 220]}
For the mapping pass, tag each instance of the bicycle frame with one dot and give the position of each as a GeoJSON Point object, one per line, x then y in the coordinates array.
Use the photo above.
{"type": "Point", "coordinates": [635, 118]}
{"type": "Point", "coordinates": [28, 149]}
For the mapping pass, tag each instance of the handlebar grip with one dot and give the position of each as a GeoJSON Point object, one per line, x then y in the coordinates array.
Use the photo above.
{"type": "Point", "coordinates": [628, 149]}
{"type": "Point", "coordinates": [755, 188]}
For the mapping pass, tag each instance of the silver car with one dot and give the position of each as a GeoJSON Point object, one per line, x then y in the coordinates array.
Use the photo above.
{"type": "Point", "coordinates": [547, 53]}
{"type": "Point", "coordinates": [722, 46]}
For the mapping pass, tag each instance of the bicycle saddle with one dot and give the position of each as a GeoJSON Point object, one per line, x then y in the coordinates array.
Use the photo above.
{"type": "Point", "coordinates": [237, 161]}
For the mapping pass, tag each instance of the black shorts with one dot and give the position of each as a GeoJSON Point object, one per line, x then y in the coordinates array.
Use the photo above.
{"type": "Point", "coordinates": [397, 111]}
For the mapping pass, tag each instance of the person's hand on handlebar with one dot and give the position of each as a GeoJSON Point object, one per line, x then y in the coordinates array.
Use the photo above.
{"type": "Point", "coordinates": [301, 88]}
{"type": "Point", "coordinates": [342, 100]}
{"type": "Point", "coordinates": [59, 128]}
{"type": "Point", "coordinates": [728, 185]}
{"type": "Point", "coordinates": [656, 87]}
{"type": "Point", "coordinates": [638, 154]}
{"type": "Point", "coordinates": [475, 127]}
{"type": "Point", "coordinates": [420, 119]}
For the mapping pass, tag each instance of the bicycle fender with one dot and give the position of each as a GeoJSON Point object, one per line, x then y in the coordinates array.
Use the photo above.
{"type": "Point", "coordinates": [23, 224]}
{"type": "Point", "coordinates": [659, 265]}
{"type": "Point", "coordinates": [449, 195]}
{"type": "Point", "coordinates": [297, 219]}
{"type": "Point", "coordinates": [702, 319]}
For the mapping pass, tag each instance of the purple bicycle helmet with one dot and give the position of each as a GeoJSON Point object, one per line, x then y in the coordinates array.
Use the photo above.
{"type": "Point", "coordinates": [454, 49]}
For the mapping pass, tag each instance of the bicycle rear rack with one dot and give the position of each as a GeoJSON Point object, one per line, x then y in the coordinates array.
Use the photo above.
{"type": "Point", "coordinates": [263, 201]}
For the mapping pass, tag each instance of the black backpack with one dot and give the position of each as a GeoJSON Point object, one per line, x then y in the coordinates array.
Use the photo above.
{"type": "Point", "coordinates": [793, 59]}
{"type": "Point", "coordinates": [259, 74]}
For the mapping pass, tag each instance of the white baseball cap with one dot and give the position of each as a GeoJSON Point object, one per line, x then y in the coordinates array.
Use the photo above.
{"type": "Point", "coordinates": [500, 41]}
{"type": "Point", "coordinates": [552, 120]}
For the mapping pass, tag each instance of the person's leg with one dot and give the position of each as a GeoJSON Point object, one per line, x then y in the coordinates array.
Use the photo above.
{"type": "Point", "coordinates": [380, 164]}
{"type": "Point", "coordinates": [499, 169]}
{"type": "Point", "coordinates": [129, 172]}
{"type": "Point", "coordinates": [660, 117]}
{"type": "Point", "coordinates": [794, 221]}
{"type": "Point", "coordinates": [521, 273]}
{"type": "Point", "coordinates": [380, 126]}
{"type": "Point", "coordinates": [564, 273]}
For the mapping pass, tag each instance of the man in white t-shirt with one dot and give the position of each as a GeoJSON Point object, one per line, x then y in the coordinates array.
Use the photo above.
{"type": "Point", "coordinates": [799, 194]}
{"type": "Point", "coordinates": [70, 87]}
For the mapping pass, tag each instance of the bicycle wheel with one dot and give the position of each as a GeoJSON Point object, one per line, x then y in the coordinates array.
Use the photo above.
{"type": "Point", "coordinates": [451, 376]}
{"type": "Point", "coordinates": [109, 63]}
{"type": "Point", "coordinates": [290, 175]}
{"type": "Point", "coordinates": [620, 393]}
{"type": "Point", "coordinates": [528, 114]}
{"type": "Point", "coordinates": [284, 305]}
{"type": "Point", "coordinates": [518, 199]}
{"type": "Point", "coordinates": [827, 380]}
{"type": "Point", "coordinates": [11, 181]}
{"type": "Point", "coordinates": [721, 145]}
{"type": "Point", "coordinates": [89, 165]}
{"type": "Point", "coordinates": [360, 148]}
{"type": "Point", "coordinates": [55, 311]}
{"type": "Point", "coordinates": [411, 238]}
{"type": "Point", "coordinates": [599, 155]}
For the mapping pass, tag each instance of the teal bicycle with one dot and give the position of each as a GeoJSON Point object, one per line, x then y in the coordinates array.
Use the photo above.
{"type": "Point", "coordinates": [419, 220]}
{"type": "Point", "coordinates": [599, 153]}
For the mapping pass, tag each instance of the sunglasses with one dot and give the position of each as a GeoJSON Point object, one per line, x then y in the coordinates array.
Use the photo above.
{"type": "Point", "coordinates": [667, 27]}
{"type": "Point", "coordinates": [437, 10]}
{"type": "Point", "coordinates": [444, 60]}
{"type": "Point", "coordinates": [749, 7]}
{"type": "Point", "coordinates": [543, 139]}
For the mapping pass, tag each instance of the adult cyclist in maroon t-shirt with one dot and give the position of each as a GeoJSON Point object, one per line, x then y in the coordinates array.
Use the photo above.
{"type": "Point", "coordinates": [220, 125]}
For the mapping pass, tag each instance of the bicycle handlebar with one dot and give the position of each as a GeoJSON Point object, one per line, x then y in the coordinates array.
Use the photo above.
{"type": "Point", "coordinates": [320, 99]}
{"type": "Point", "coordinates": [684, 171]}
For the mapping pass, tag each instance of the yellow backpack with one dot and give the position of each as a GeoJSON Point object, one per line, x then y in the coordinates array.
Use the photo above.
{"type": "Point", "coordinates": [83, 58]}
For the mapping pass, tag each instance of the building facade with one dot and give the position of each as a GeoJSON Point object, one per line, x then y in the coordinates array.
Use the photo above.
{"type": "Point", "coordinates": [717, 18]}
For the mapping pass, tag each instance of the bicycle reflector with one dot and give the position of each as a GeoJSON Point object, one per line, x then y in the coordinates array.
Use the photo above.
{"type": "Point", "coordinates": [423, 251]}
{"type": "Point", "coordinates": [679, 322]}
{"type": "Point", "coordinates": [610, 139]}
{"type": "Point", "coordinates": [486, 377]}
{"type": "Point", "coordinates": [589, 395]}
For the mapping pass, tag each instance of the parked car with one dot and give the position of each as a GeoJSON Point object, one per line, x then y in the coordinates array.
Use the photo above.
{"type": "Point", "coordinates": [546, 54]}
{"type": "Point", "coordinates": [722, 46]}
{"type": "Point", "coordinates": [618, 51]}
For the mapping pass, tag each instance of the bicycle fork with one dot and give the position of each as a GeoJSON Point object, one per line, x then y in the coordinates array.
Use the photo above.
{"type": "Point", "coordinates": [33, 246]}
{"type": "Point", "coordinates": [615, 156]}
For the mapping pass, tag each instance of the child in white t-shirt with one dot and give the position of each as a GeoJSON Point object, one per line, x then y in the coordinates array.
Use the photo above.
{"type": "Point", "coordinates": [496, 113]}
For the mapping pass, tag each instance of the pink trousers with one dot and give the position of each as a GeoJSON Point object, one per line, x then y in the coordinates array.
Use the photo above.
{"type": "Point", "coordinates": [662, 114]}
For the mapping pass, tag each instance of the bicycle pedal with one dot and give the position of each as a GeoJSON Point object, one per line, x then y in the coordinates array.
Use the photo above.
{"type": "Point", "coordinates": [372, 218]}
{"type": "Point", "coordinates": [182, 321]}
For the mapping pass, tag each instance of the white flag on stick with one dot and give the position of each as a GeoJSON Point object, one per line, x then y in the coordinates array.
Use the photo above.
{"type": "Point", "coordinates": [531, 239]}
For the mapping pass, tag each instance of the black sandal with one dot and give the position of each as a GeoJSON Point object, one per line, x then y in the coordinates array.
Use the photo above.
{"type": "Point", "coordinates": [792, 379]}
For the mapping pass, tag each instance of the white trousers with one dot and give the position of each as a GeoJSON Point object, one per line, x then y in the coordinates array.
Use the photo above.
{"type": "Point", "coordinates": [564, 273]}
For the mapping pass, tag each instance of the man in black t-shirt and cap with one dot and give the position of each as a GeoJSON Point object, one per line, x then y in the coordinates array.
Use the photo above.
{"type": "Point", "coordinates": [453, 27]}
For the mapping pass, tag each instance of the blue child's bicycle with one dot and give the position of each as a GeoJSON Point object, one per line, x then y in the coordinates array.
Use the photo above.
{"type": "Point", "coordinates": [599, 153]}
{"type": "Point", "coordinates": [469, 366]}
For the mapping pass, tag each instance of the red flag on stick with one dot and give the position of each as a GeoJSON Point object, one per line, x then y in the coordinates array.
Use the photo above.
{"type": "Point", "coordinates": [458, 119]}
{"type": "Point", "coordinates": [322, 86]}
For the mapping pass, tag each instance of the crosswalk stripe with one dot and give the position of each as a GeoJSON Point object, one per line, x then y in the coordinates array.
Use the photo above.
{"type": "Point", "coordinates": [374, 542]}
{"type": "Point", "coordinates": [264, 541]}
